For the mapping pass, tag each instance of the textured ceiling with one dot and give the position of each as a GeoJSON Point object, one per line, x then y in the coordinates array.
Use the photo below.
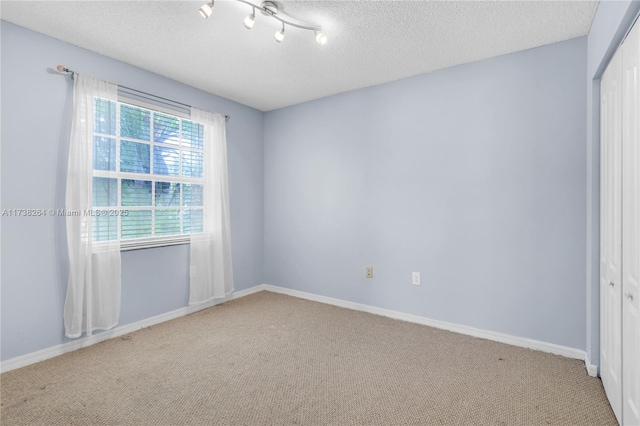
{"type": "Point", "coordinates": [370, 42]}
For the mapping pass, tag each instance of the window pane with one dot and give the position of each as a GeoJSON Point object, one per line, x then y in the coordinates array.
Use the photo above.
{"type": "Point", "coordinates": [166, 129]}
{"type": "Point", "coordinates": [192, 164]}
{"type": "Point", "coordinates": [167, 222]}
{"type": "Point", "coordinates": [192, 221]}
{"type": "Point", "coordinates": [104, 153]}
{"type": "Point", "coordinates": [104, 117]}
{"type": "Point", "coordinates": [192, 134]}
{"type": "Point", "coordinates": [105, 228]}
{"type": "Point", "coordinates": [191, 195]}
{"type": "Point", "coordinates": [134, 157]}
{"type": "Point", "coordinates": [137, 224]}
{"type": "Point", "coordinates": [136, 192]}
{"type": "Point", "coordinates": [105, 192]}
{"type": "Point", "coordinates": [167, 194]}
{"type": "Point", "coordinates": [172, 208]}
{"type": "Point", "coordinates": [166, 161]}
{"type": "Point", "coordinates": [134, 122]}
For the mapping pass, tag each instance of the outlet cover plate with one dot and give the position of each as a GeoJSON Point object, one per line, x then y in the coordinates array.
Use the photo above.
{"type": "Point", "coordinates": [415, 278]}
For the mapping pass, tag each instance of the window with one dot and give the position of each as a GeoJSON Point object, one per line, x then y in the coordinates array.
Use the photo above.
{"type": "Point", "coordinates": [147, 176]}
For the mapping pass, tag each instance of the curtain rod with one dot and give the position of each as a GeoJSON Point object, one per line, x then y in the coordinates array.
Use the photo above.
{"type": "Point", "coordinates": [61, 69]}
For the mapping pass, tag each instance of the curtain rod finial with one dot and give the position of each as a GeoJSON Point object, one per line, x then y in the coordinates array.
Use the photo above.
{"type": "Point", "coordinates": [62, 68]}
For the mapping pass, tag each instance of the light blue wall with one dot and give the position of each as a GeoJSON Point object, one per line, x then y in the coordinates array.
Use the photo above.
{"type": "Point", "coordinates": [473, 176]}
{"type": "Point", "coordinates": [610, 24]}
{"type": "Point", "coordinates": [35, 128]}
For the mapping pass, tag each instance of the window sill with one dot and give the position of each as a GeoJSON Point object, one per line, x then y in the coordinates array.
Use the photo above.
{"type": "Point", "coordinates": [144, 243]}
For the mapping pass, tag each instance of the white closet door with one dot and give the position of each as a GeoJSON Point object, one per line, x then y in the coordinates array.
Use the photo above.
{"type": "Point", "coordinates": [610, 234]}
{"type": "Point", "coordinates": [631, 228]}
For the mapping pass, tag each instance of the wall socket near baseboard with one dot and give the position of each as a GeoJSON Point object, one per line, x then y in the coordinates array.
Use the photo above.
{"type": "Point", "coordinates": [369, 272]}
{"type": "Point", "coordinates": [415, 278]}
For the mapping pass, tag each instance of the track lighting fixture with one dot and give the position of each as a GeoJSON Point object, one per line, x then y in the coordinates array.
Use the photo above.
{"type": "Point", "coordinates": [250, 20]}
{"type": "Point", "coordinates": [206, 9]}
{"type": "Point", "coordinates": [270, 9]}
{"type": "Point", "coordinates": [321, 37]}
{"type": "Point", "coordinates": [279, 36]}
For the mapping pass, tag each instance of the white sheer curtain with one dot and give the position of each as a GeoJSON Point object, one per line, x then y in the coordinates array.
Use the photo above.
{"type": "Point", "coordinates": [211, 274]}
{"type": "Point", "coordinates": [93, 292]}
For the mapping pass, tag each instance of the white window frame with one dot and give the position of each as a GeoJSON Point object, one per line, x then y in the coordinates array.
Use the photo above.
{"type": "Point", "coordinates": [153, 241]}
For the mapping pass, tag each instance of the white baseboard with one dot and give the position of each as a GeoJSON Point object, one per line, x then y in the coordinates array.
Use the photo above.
{"type": "Point", "coordinates": [456, 328]}
{"type": "Point", "coordinates": [592, 369]}
{"type": "Point", "coordinates": [44, 354]}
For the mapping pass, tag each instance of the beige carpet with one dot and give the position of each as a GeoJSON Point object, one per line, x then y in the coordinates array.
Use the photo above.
{"type": "Point", "coordinates": [274, 359]}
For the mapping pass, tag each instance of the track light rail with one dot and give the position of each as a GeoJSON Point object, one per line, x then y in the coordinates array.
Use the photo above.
{"type": "Point", "coordinates": [274, 15]}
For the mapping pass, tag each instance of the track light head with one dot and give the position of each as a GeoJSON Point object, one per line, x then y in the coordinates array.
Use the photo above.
{"type": "Point", "coordinates": [321, 37]}
{"type": "Point", "coordinates": [250, 20]}
{"type": "Point", "coordinates": [279, 36]}
{"type": "Point", "coordinates": [206, 10]}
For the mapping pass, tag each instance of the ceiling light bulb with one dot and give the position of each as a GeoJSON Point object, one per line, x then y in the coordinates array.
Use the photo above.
{"type": "Point", "coordinates": [249, 21]}
{"type": "Point", "coordinates": [321, 37]}
{"type": "Point", "coordinates": [279, 36]}
{"type": "Point", "coordinates": [206, 10]}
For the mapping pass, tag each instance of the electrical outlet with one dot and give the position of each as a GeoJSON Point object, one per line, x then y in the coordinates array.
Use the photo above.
{"type": "Point", "coordinates": [369, 272]}
{"type": "Point", "coordinates": [415, 278]}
